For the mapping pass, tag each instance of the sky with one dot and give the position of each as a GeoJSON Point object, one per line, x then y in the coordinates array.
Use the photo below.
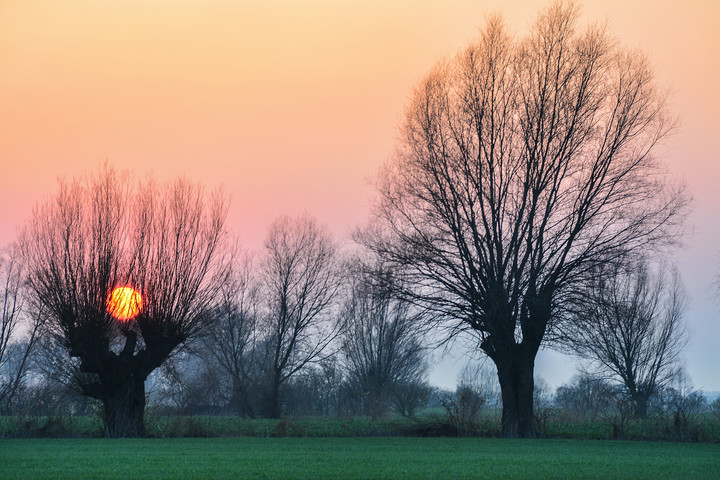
{"type": "Point", "coordinates": [292, 107]}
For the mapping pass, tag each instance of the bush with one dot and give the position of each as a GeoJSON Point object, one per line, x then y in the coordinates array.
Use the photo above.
{"type": "Point", "coordinates": [463, 408]}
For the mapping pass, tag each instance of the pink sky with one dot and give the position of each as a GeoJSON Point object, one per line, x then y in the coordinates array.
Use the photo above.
{"type": "Point", "coordinates": [292, 105]}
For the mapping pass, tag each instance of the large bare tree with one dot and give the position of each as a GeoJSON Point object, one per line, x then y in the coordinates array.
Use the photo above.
{"type": "Point", "coordinates": [102, 231]}
{"type": "Point", "coordinates": [524, 162]}
{"type": "Point", "coordinates": [630, 326]}
{"type": "Point", "coordinates": [300, 280]}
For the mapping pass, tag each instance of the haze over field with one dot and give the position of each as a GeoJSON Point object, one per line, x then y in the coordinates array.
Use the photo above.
{"type": "Point", "coordinates": [293, 106]}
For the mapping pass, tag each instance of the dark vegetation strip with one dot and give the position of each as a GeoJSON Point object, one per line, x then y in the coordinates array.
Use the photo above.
{"type": "Point", "coordinates": [700, 427]}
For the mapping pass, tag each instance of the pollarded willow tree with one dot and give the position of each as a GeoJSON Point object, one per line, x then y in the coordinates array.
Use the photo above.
{"type": "Point", "coordinates": [166, 241]}
{"type": "Point", "coordinates": [525, 163]}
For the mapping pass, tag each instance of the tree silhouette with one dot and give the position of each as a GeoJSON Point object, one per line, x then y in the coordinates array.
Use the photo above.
{"type": "Point", "coordinates": [524, 163]}
{"type": "Point", "coordinates": [381, 346]}
{"type": "Point", "coordinates": [16, 350]}
{"type": "Point", "coordinates": [630, 326]}
{"type": "Point", "coordinates": [300, 280]}
{"type": "Point", "coordinates": [230, 341]}
{"type": "Point", "coordinates": [102, 231]}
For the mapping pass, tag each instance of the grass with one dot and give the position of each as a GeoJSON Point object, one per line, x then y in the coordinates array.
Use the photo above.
{"type": "Point", "coordinates": [360, 458]}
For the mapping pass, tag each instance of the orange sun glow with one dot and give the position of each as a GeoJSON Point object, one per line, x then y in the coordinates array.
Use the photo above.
{"type": "Point", "coordinates": [124, 303]}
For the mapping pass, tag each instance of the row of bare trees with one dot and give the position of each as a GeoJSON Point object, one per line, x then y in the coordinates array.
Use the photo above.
{"type": "Point", "coordinates": [521, 207]}
{"type": "Point", "coordinates": [298, 317]}
{"type": "Point", "coordinates": [301, 311]}
{"type": "Point", "coordinates": [257, 323]}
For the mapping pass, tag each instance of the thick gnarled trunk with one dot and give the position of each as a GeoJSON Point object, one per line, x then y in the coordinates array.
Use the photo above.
{"type": "Point", "coordinates": [124, 407]}
{"type": "Point", "coordinates": [515, 373]}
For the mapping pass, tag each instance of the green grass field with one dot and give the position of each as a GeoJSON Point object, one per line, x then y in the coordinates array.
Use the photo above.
{"type": "Point", "coordinates": [366, 458]}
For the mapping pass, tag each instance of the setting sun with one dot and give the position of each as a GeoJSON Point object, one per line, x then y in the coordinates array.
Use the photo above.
{"type": "Point", "coordinates": [124, 303]}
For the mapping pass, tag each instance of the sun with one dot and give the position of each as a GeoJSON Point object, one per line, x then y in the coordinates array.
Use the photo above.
{"type": "Point", "coordinates": [124, 303]}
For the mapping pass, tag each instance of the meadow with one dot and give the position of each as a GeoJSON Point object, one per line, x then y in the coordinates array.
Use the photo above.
{"type": "Point", "coordinates": [354, 458]}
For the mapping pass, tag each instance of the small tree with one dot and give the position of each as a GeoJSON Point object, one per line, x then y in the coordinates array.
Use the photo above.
{"type": "Point", "coordinates": [99, 232]}
{"type": "Point", "coordinates": [630, 327]}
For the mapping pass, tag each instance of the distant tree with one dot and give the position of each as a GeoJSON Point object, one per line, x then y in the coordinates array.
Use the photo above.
{"type": "Point", "coordinates": [316, 390]}
{"type": "Point", "coordinates": [300, 280]}
{"type": "Point", "coordinates": [523, 165]}
{"type": "Point", "coordinates": [409, 396]}
{"type": "Point", "coordinates": [11, 306]}
{"type": "Point", "coordinates": [463, 406]}
{"type": "Point", "coordinates": [585, 397]}
{"type": "Point", "coordinates": [189, 384]}
{"type": "Point", "coordinates": [230, 340]}
{"type": "Point", "coordinates": [685, 403]}
{"type": "Point", "coordinates": [102, 231]}
{"type": "Point", "coordinates": [630, 326]}
{"type": "Point", "coordinates": [16, 346]}
{"type": "Point", "coordinates": [381, 345]}
{"type": "Point", "coordinates": [330, 376]}
{"type": "Point", "coordinates": [715, 408]}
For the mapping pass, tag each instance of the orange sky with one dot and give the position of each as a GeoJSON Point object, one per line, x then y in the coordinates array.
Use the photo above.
{"type": "Point", "coordinates": [292, 105]}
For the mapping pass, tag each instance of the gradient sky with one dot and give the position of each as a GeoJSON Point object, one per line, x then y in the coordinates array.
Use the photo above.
{"type": "Point", "coordinates": [292, 106]}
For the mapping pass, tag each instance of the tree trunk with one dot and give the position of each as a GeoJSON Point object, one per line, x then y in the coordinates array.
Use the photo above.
{"type": "Point", "coordinates": [124, 408]}
{"type": "Point", "coordinates": [239, 401]}
{"type": "Point", "coordinates": [273, 407]}
{"type": "Point", "coordinates": [515, 373]}
{"type": "Point", "coordinates": [641, 405]}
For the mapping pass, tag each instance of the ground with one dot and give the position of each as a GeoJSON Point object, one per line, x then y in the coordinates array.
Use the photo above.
{"type": "Point", "coordinates": [354, 458]}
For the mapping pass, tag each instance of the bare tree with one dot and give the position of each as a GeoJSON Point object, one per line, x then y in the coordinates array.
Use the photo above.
{"type": "Point", "coordinates": [586, 397]}
{"type": "Point", "coordinates": [100, 232]}
{"type": "Point", "coordinates": [10, 283]}
{"type": "Point", "coordinates": [11, 306]}
{"type": "Point", "coordinates": [300, 281]}
{"type": "Point", "coordinates": [188, 383]}
{"type": "Point", "coordinates": [630, 326]}
{"type": "Point", "coordinates": [231, 337]}
{"type": "Point", "coordinates": [20, 324]}
{"type": "Point", "coordinates": [381, 345]}
{"type": "Point", "coordinates": [524, 163]}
